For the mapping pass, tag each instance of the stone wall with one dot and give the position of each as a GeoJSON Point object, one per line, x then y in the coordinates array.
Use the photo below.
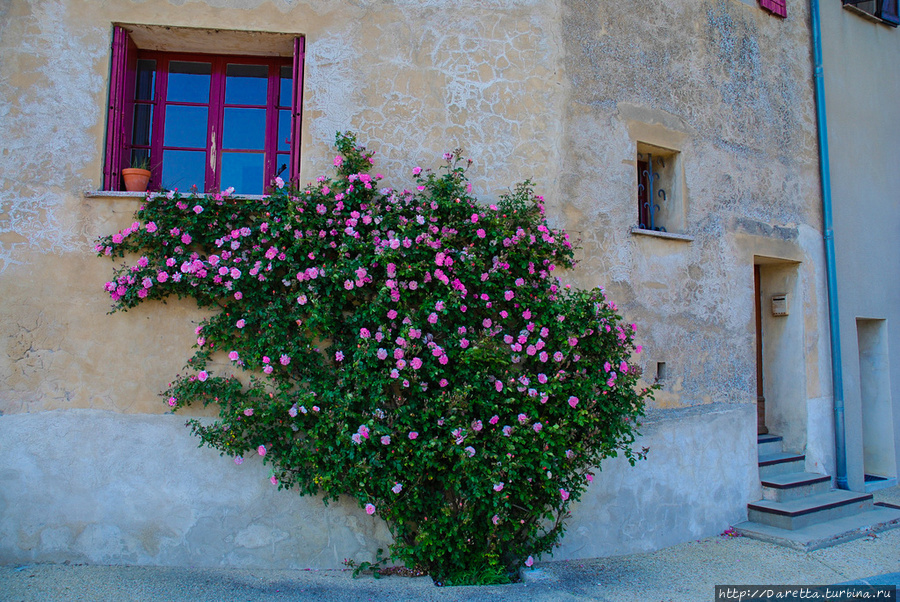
{"type": "Point", "coordinates": [559, 92]}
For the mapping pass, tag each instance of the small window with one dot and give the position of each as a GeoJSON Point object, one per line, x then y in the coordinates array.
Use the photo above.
{"type": "Point", "coordinates": [659, 195]}
{"type": "Point", "coordinates": [884, 10]}
{"type": "Point", "coordinates": [203, 121]}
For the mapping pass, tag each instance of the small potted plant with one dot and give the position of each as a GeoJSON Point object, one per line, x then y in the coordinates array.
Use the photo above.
{"type": "Point", "coordinates": [137, 176]}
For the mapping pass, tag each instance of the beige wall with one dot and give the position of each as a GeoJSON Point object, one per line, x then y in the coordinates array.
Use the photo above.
{"type": "Point", "coordinates": [862, 87]}
{"type": "Point", "coordinates": [559, 92]}
{"type": "Point", "coordinates": [413, 78]}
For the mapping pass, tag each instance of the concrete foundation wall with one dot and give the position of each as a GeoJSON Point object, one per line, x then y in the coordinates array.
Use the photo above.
{"type": "Point", "coordinates": [696, 481]}
{"type": "Point", "coordinates": [106, 488]}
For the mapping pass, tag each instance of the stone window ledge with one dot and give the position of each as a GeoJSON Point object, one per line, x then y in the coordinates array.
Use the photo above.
{"type": "Point", "coordinates": [119, 194]}
{"type": "Point", "coordinates": [99, 194]}
{"type": "Point", "coordinates": [657, 234]}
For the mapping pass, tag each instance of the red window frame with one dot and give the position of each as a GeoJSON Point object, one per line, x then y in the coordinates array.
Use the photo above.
{"type": "Point", "coordinates": [119, 143]}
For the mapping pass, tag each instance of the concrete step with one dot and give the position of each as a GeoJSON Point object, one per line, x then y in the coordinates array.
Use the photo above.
{"type": "Point", "coordinates": [810, 510]}
{"type": "Point", "coordinates": [769, 444]}
{"type": "Point", "coordinates": [823, 535]}
{"type": "Point", "coordinates": [794, 485]}
{"type": "Point", "coordinates": [778, 463]}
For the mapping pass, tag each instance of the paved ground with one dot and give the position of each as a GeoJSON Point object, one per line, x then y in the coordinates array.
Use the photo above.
{"type": "Point", "coordinates": [686, 572]}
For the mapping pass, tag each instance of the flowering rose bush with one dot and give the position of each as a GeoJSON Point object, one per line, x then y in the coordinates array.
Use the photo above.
{"type": "Point", "coordinates": [412, 349]}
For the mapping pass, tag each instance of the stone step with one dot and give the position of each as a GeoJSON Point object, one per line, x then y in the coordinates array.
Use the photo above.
{"type": "Point", "coordinates": [810, 510]}
{"type": "Point", "coordinates": [794, 485]}
{"type": "Point", "coordinates": [769, 444]}
{"type": "Point", "coordinates": [774, 464]}
{"type": "Point", "coordinates": [829, 533]}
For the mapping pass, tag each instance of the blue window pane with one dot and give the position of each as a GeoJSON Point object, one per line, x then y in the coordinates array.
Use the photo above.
{"type": "Point", "coordinates": [285, 89]}
{"type": "Point", "coordinates": [244, 129]}
{"type": "Point", "coordinates": [284, 130]}
{"type": "Point", "coordinates": [185, 126]}
{"type": "Point", "coordinates": [283, 165]}
{"type": "Point", "coordinates": [143, 125]}
{"type": "Point", "coordinates": [188, 81]}
{"type": "Point", "coordinates": [244, 171]}
{"type": "Point", "coordinates": [145, 78]}
{"type": "Point", "coordinates": [246, 84]}
{"type": "Point", "coordinates": [184, 169]}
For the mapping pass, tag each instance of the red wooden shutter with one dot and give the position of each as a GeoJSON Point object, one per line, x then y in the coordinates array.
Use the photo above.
{"type": "Point", "coordinates": [297, 108]}
{"type": "Point", "coordinates": [777, 7]}
{"type": "Point", "coordinates": [121, 73]}
{"type": "Point", "coordinates": [116, 112]}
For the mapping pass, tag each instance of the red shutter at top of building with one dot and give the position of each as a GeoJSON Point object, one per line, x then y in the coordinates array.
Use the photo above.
{"type": "Point", "coordinates": [776, 7]}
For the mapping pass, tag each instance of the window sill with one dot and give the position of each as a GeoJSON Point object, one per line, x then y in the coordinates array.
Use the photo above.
{"type": "Point", "coordinates": [119, 194]}
{"type": "Point", "coordinates": [868, 16]}
{"type": "Point", "coordinates": [656, 234]}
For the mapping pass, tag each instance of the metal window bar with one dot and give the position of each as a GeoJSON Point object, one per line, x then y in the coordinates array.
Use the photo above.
{"type": "Point", "coordinates": [647, 186]}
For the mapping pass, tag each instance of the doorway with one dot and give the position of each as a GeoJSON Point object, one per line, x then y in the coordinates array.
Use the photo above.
{"type": "Point", "coordinates": [779, 349]}
{"type": "Point", "coordinates": [879, 460]}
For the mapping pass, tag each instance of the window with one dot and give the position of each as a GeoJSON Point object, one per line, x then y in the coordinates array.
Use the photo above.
{"type": "Point", "coordinates": [884, 10]}
{"type": "Point", "coordinates": [659, 196]}
{"type": "Point", "coordinates": [202, 120]}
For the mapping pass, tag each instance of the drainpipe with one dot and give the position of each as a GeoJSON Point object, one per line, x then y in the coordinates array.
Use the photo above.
{"type": "Point", "coordinates": [837, 378]}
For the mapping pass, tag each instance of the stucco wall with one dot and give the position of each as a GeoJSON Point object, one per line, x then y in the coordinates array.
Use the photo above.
{"type": "Point", "coordinates": [729, 86]}
{"type": "Point", "coordinates": [559, 92]}
{"type": "Point", "coordinates": [110, 488]}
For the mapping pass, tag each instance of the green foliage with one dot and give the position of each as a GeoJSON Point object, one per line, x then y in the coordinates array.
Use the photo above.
{"type": "Point", "coordinates": [480, 575]}
{"type": "Point", "coordinates": [412, 349]}
{"type": "Point", "coordinates": [371, 568]}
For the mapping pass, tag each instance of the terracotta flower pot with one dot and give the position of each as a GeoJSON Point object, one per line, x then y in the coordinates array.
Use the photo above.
{"type": "Point", "coordinates": [136, 180]}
